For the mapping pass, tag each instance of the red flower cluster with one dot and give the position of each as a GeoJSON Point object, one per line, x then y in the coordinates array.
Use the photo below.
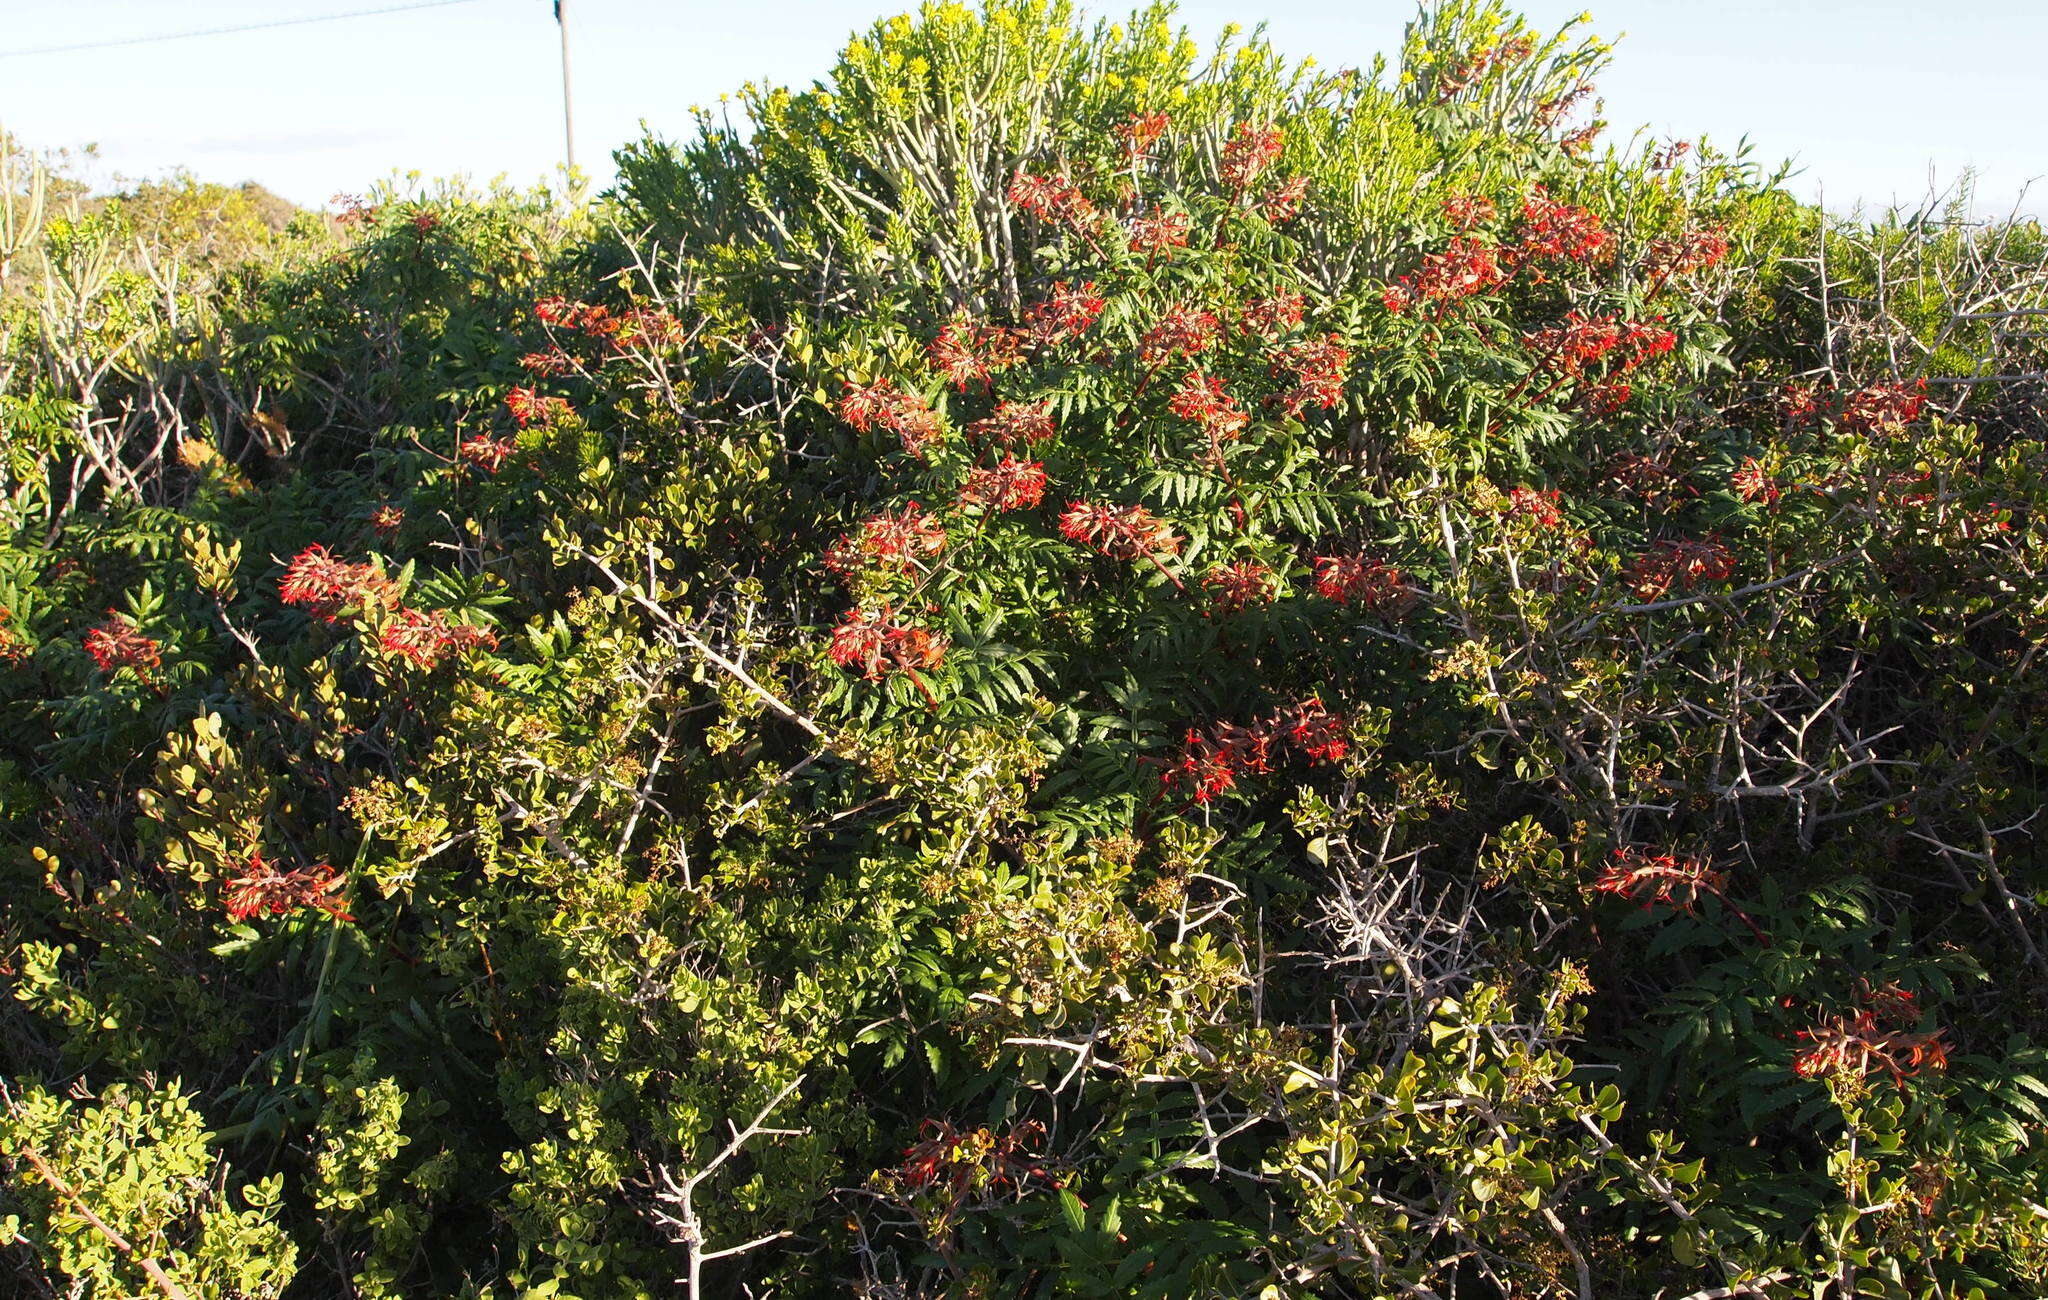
{"type": "Point", "coordinates": [1652, 880]}
{"type": "Point", "coordinates": [967, 353]}
{"type": "Point", "coordinates": [1582, 342]}
{"type": "Point", "coordinates": [1751, 483]}
{"type": "Point", "coordinates": [117, 644]}
{"type": "Point", "coordinates": [1213, 760]}
{"type": "Point", "coordinates": [1250, 151]}
{"type": "Point", "coordinates": [1155, 234]}
{"type": "Point", "coordinates": [551, 363]}
{"type": "Point", "coordinates": [1181, 332]}
{"type": "Point", "coordinates": [1283, 199]}
{"type": "Point", "coordinates": [960, 1165]}
{"type": "Point", "coordinates": [262, 888]}
{"type": "Point", "coordinates": [486, 453]}
{"type": "Point", "coordinates": [1273, 315]}
{"type": "Point", "coordinates": [589, 318]}
{"type": "Point", "coordinates": [1317, 368]}
{"type": "Point", "coordinates": [1120, 532]}
{"type": "Point", "coordinates": [1468, 210]}
{"type": "Point", "coordinates": [1009, 484]}
{"type": "Point", "coordinates": [1065, 314]}
{"type": "Point", "coordinates": [1369, 584]}
{"type": "Point", "coordinates": [323, 586]}
{"type": "Point", "coordinates": [1539, 508]}
{"type": "Point", "coordinates": [1202, 401]}
{"type": "Point", "coordinates": [528, 407]}
{"type": "Point", "coordinates": [1053, 199]}
{"type": "Point", "coordinates": [1468, 267]}
{"type": "Point", "coordinates": [897, 540]}
{"type": "Point", "coordinates": [385, 521]}
{"type": "Point", "coordinates": [1234, 588]}
{"type": "Point", "coordinates": [873, 642]}
{"type": "Point", "coordinates": [1872, 1037]}
{"type": "Point", "coordinates": [1684, 253]}
{"type": "Point", "coordinates": [13, 649]}
{"type": "Point", "coordinates": [1884, 408]}
{"type": "Point", "coordinates": [1799, 404]}
{"type": "Point", "coordinates": [1678, 565]}
{"type": "Point", "coordinates": [1016, 424]}
{"type": "Point", "coordinates": [883, 405]}
{"type": "Point", "coordinates": [646, 327]}
{"type": "Point", "coordinates": [1142, 131]}
{"type": "Point", "coordinates": [1604, 400]}
{"type": "Point", "coordinates": [425, 638]}
{"type": "Point", "coordinates": [1552, 231]}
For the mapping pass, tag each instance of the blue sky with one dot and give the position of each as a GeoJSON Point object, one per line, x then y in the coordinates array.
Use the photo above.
{"type": "Point", "coordinates": [1866, 95]}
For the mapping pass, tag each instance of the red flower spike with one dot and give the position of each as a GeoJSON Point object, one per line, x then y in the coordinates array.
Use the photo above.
{"type": "Point", "coordinates": [1250, 151]}
{"type": "Point", "coordinates": [1009, 484]}
{"type": "Point", "coordinates": [1273, 315]}
{"type": "Point", "coordinates": [528, 407]}
{"type": "Point", "coordinates": [1317, 367]}
{"type": "Point", "coordinates": [487, 454]}
{"type": "Point", "coordinates": [1751, 483]}
{"type": "Point", "coordinates": [1660, 880]}
{"type": "Point", "coordinates": [882, 405]}
{"type": "Point", "coordinates": [1065, 314]}
{"type": "Point", "coordinates": [1155, 234]}
{"type": "Point", "coordinates": [1873, 1036]}
{"type": "Point", "coordinates": [1142, 131]}
{"type": "Point", "coordinates": [117, 644]}
{"type": "Point", "coordinates": [1678, 566]}
{"type": "Point", "coordinates": [1054, 200]}
{"type": "Point", "coordinates": [1119, 532]}
{"type": "Point", "coordinates": [1355, 580]}
{"type": "Point", "coordinates": [1468, 210]}
{"type": "Point", "coordinates": [1557, 232]}
{"type": "Point", "coordinates": [424, 639]}
{"type": "Point", "coordinates": [1016, 424]}
{"type": "Point", "coordinates": [1884, 408]}
{"type": "Point", "coordinates": [1181, 332]}
{"type": "Point", "coordinates": [1282, 200]}
{"type": "Point", "coordinates": [1539, 508]}
{"type": "Point", "coordinates": [261, 888]}
{"type": "Point", "coordinates": [871, 641]}
{"type": "Point", "coordinates": [322, 585]}
{"type": "Point", "coordinates": [1234, 588]}
{"type": "Point", "coordinates": [1202, 401]}
{"type": "Point", "coordinates": [966, 353]}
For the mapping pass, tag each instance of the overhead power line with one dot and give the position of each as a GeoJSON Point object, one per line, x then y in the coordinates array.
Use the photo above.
{"type": "Point", "coordinates": [229, 31]}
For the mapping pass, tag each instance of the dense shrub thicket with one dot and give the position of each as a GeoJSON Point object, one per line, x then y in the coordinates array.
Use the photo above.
{"type": "Point", "coordinates": [1060, 666]}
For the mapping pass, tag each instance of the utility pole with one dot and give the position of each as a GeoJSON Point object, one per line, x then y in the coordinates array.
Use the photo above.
{"type": "Point", "coordinates": [568, 119]}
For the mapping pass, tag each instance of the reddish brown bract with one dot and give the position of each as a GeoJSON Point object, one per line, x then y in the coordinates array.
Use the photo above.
{"type": "Point", "coordinates": [261, 888]}
{"type": "Point", "coordinates": [1249, 153]}
{"type": "Point", "coordinates": [322, 585]}
{"type": "Point", "coordinates": [873, 642]}
{"type": "Point", "coordinates": [1872, 1037]}
{"type": "Point", "coordinates": [1065, 314]}
{"type": "Point", "coordinates": [1181, 332]}
{"type": "Point", "coordinates": [1659, 879]}
{"type": "Point", "coordinates": [1234, 588]}
{"type": "Point", "coordinates": [966, 353]}
{"type": "Point", "coordinates": [1119, 532]}
{"type": "Point", "coordinates": [424, 638]}
{"type": "Point", "coordinates": [1355, 580]}
{"type": "Point", "coordinates": [1053, 199]}
{"type": "Point", "coordinates": [117, 644]}
{"type": "Point", "coordinates": [1009, 484]}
